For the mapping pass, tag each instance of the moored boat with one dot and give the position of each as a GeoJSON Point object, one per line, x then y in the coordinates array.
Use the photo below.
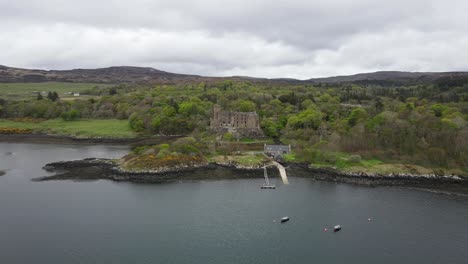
{"type": "Point", "coordinates": [336, 228]}
{"type": "Point", "coordinates": [284, 219]}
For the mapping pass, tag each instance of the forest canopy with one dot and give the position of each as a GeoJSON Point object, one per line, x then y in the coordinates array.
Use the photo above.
{"type": "Point", "coordinates": [423, 124]}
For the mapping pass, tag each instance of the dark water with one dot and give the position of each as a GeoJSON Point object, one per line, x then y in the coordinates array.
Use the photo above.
{"type": "Point", "coordinates": [216, 221]}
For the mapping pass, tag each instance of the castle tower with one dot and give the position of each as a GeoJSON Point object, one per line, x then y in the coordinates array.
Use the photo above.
{"type": "Point", "coordinates": [215, 121]}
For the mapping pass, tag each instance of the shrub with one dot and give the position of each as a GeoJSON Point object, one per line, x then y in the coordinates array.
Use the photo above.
{"type": "Point", "coordinates": [437, 156]}
{"type": "Point", "coordinates": [70, 115]}
{"type": "Point", "coordinates": [355, 158]}
{"type": "Point", "coordinates": [12, 131]}
{"type": "Point", "coordinates": [289, 157]}
{"type": "Point", "coordinates": [228, 137]}
{"type": "Point", "coordinates": [139, 150]}
{"type": "Point", "coordinates": [439, 172]}
{"type": "Point", "coordinates": [136, 123]}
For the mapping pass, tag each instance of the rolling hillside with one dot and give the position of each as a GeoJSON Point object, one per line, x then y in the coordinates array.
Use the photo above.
{"type": "Point", "coordinates": [127, 74]}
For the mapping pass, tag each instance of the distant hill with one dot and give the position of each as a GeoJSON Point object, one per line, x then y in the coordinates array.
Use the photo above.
{"type": "Point", "coordinates": [396, 77]}
{"type": "Point", "coordinates": [127, 74]}
{"type": "Point", "coordinates": [123, 74]}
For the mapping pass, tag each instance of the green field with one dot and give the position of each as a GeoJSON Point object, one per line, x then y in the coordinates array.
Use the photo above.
{"type": "Point", "coordinates": [17, 91]}
{"type": "Point", "coordinates": [82, 128]}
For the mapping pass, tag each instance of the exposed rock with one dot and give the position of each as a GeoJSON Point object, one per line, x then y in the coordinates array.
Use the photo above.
{"type": "Point", "coordinates": [234, 164]}
{"type": "Point", "coordinates": [2, 173]}
{"type": "Point", "coordinates": [92, 169]}
{"type": "Point", "coordinates": [449, 183]}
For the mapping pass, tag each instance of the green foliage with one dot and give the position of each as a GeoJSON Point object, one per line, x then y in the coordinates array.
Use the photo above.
{"type": "Point", "coordinates": [185, 151]}
{"type": "Point", "coordinates": [438, 109]}
{"type": "Point", "coordinates": [271, 127]}
{"type": "Point", "coordinates": [289, 157]}
{"type": "Point", "coordinates": [308, 118]}
{"type": "Point", "coordinates": [244, 106]}
{"type": "Point", "coordinates": [249, 160]}
{"type": "Point", "coordinates": [168, 111]}
{"type": "Point", "coordinates": [355, 158]}
{"type": "Point", "coordinates": [112, 91]}
{"type": "Point", "coordinates": [193, 107]}
{"type": "Point", "coordinates": [437, 156]}
{"type": "Point", "coordinates": [187, 145]}
{"type": "Point", "coordinates": [53, 96]}
{"type": "Point", "coordinates": [376, 122]}
{"type": "Point", "coordinates": [71, 115]}
{"type": "Point", "coordinates": [290, 98]}
{"type": "Point", "coordinates": [410, 106]}
{"type": "Point", "coordinates": [357, 114]}
{"type": "Point", "coordinates": [341, 160]}
{"type": "Point", "coordinates": [308, 104]}
{"type": "Point", "coordinates": [136, 123]}
{"type": "Point", "coordinates": [228, 136]}
{"type": "Point", "coordinates": [423, 124]}
{"type": "Point", "coordinates": [139, 150]}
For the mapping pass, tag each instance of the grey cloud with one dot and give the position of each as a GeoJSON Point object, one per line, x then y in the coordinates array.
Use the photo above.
{"type": "Point", "coordinates": [299, 39]}
{"type": "Point", "coordinates": [312, 24]}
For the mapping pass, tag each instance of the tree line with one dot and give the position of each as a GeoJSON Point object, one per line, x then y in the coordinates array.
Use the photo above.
{"type": "Point", "coordinates": [422, 124]}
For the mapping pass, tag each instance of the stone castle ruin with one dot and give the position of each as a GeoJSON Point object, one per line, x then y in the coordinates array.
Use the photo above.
{"type": "Point", "coordinates": [238, 123]}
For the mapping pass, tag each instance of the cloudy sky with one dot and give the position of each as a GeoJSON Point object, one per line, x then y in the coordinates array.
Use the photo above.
{"type": "Point", "coordinates": [296, 38]}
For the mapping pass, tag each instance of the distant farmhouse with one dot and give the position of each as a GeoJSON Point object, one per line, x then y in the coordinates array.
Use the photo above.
{"type": "Point", "coordinates": [277, 150]}
{"type": "Point", "coordinates": [44, 93]}
{"type": "Point", "coordinates": [75, 94]}
{"type": "Point", "coordinates": [240, 123]}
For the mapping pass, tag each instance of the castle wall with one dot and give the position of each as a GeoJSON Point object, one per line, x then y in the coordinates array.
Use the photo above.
{"type": "Point", "coordinates": [244, 123]}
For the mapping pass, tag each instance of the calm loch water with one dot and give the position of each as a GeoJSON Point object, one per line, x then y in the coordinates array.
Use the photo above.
{"type": "Point", "coordinates": [226, 221]}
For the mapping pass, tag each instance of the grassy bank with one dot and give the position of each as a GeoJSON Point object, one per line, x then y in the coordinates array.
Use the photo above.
{"type": "Point", "coordinates": [246, 160]}
{"type": "Point", "coordinates": [17, 91]}
{"type": "Point", "coordinates": [111, 128]}
{"type": "Point", "coordinates": [354, 163]}
{"type": "Point", "coordinates": [185, 152]}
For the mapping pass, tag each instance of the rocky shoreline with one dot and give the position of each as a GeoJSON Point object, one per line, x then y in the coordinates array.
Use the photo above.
{"type": "Point", "coordinates": [62, 139]}
{"type": "Point", "coordinates": [96, 169]}
{"type": "Point", "coordinates": [443, 184]}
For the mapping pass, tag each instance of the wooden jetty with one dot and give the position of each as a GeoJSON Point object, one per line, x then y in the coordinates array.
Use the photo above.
{"type": "Point", "coordinates": [267, 184]}
{"type": "Point", "coordinates": [282, 172]}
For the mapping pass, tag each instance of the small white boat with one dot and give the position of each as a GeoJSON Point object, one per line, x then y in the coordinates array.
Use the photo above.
{"type": "Point", "coordinates": [284, 219]}
{"type": "Point", "coordinates": [336, 228]}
